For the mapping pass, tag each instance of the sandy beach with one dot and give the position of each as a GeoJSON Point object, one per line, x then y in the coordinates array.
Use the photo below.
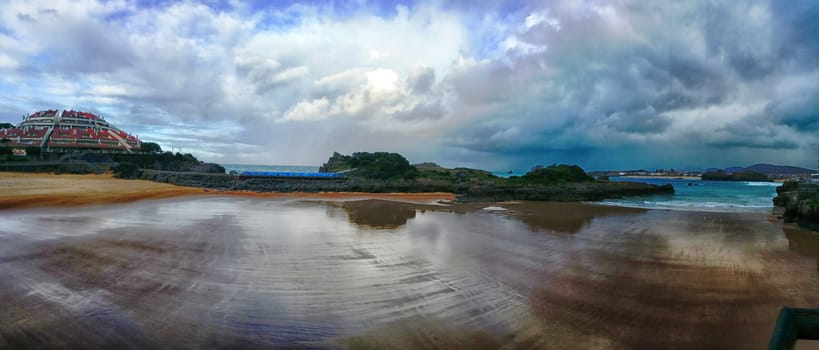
{"type": "Point", "coordinates": [28, 190]}
{"type": "Point", "coordinates": [237, 270]}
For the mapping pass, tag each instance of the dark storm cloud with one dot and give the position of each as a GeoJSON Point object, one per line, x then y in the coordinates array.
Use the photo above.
{"type": "Point", "coordinates": [754, 143]}
{"type": "Point", "coordinates": [643, 69]}
{"type": "Point", "coordinates": [797, 25]}
{"type": "Point", "coordinates": [727, 31]}
{"type": "Point", "coordinates": [640, 121]}
{"type": "Point", "coordinates": [798, 106]}
{"type": "Point", "coordinates": [802, 120]}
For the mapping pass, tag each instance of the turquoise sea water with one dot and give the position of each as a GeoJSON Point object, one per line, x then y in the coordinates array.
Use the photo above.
{"type": "Point", "coordinates": [506, 174]}
{"type": "Point", "coordinates": [731, 196]}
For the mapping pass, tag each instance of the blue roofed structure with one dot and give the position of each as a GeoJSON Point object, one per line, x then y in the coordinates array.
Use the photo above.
{"type": "Point", "coordinates": [288, 174]}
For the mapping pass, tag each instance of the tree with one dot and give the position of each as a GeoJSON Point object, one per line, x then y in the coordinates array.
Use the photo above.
{"type": "Point", "coordinates": [150, 147]}
{"type": "Point", "coordinates": [33, 151]}
{"type": "Point", "coordinates": [4, 147]}
{"type": "Point", "coordinates": [745, 175]}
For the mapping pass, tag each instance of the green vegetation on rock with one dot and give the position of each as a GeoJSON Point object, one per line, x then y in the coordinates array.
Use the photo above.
{"type": "Point", "coordinates": [336, 163]}
{"type": "Point", "coordinates": [390, 172]}
{"type": "Point", "coordinates": [747, 175]}
{"type": "Point", "coordinates": [372, 165]}
{"type": "Point", "coordinates": [150, 147]}
{"type": "Point", "coordinates": [382, 165]}
{"type": "Point", "coordinates": [168, 161]}
{"type": "Point", "coordinates": [554, 174]}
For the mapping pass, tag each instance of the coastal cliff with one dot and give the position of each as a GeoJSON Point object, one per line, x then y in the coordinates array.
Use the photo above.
{"type": "Point", "coordinates": [383, 172]}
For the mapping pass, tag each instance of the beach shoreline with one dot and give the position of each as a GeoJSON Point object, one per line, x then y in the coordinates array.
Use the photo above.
{"type": "Point", "coordinates": [581, 268]}
{"type": "Point", "coordinates": [32, 190]}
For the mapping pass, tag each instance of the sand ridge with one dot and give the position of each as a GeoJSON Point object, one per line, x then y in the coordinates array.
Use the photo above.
{"type": "Point", "coordinates": [27, 190]}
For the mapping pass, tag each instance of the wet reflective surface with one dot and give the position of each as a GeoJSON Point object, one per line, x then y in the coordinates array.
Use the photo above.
{"type": "Point", "coordinates": [245, 273]}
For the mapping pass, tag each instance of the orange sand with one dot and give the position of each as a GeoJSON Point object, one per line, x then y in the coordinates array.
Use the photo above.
{"type": "Point", "coordinates": [26, 190]}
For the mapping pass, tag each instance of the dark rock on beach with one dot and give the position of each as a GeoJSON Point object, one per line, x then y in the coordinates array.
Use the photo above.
{"type": "Point", "coordinates": [800, 202]}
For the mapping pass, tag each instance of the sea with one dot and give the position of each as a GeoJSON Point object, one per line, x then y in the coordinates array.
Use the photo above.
{"type": "Point", "coordinates": [695, 194]}
{"type": "Point", "coordinates": [690, 194]}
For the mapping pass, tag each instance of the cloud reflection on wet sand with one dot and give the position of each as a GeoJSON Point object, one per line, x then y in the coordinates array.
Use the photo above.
{"type": "Point", "coordinates": [223, 272]}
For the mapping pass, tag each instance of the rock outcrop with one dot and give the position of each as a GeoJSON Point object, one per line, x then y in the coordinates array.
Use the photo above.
{"type": "Point", "coordinates": [382, 172]}
{"type": "Point", "coordinates": [465, 191]}
{"type": "Point", "coordinates": [745, 175]}
{"type": "Point", "coordinates": [800, 202]}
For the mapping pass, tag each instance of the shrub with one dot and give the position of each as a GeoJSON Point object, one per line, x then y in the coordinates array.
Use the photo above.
{"type": "Point", "coordinates": [150, 147]}
{"type": "Point", "coordinates": [746, 175]}
{"type": "Point", "coordinates": [556, 174]}
{"type": "Point", "coordinates": [382, 165]}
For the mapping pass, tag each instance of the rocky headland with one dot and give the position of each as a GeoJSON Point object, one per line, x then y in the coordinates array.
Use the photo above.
{"type": "Point", "coordinates": [382, 172]}
{"type": "Point", "coordinates": [365, 172]}
{"type": "Point", "coordinates": [744, 175]}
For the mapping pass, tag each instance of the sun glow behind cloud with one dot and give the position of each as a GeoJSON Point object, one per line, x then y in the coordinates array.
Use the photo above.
{"type": "Point", "coordinates": [603, 84]}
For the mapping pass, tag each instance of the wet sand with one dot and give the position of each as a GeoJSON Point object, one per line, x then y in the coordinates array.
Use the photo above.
{"type": "Point", "coordinates": [238, 272]}
{"type": "Point", "coordinates": [29, 190]}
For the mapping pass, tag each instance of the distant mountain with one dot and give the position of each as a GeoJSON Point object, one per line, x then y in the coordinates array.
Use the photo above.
{"type": "Point", "coordinates": [769, 169]}
{"type": "Point", "coordinates": [734, 169]}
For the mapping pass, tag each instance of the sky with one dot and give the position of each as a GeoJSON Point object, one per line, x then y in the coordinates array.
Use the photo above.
{"type": "Point", "coordinates": [498, 85]}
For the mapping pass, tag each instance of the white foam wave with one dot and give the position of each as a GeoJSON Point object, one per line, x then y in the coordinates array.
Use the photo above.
{"type": "Point", "coordinates": [494, 208]}
{"type": "Point", "coordinates": [765, 184]}
{"type": "Point", "coordinates": [683, 205]}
